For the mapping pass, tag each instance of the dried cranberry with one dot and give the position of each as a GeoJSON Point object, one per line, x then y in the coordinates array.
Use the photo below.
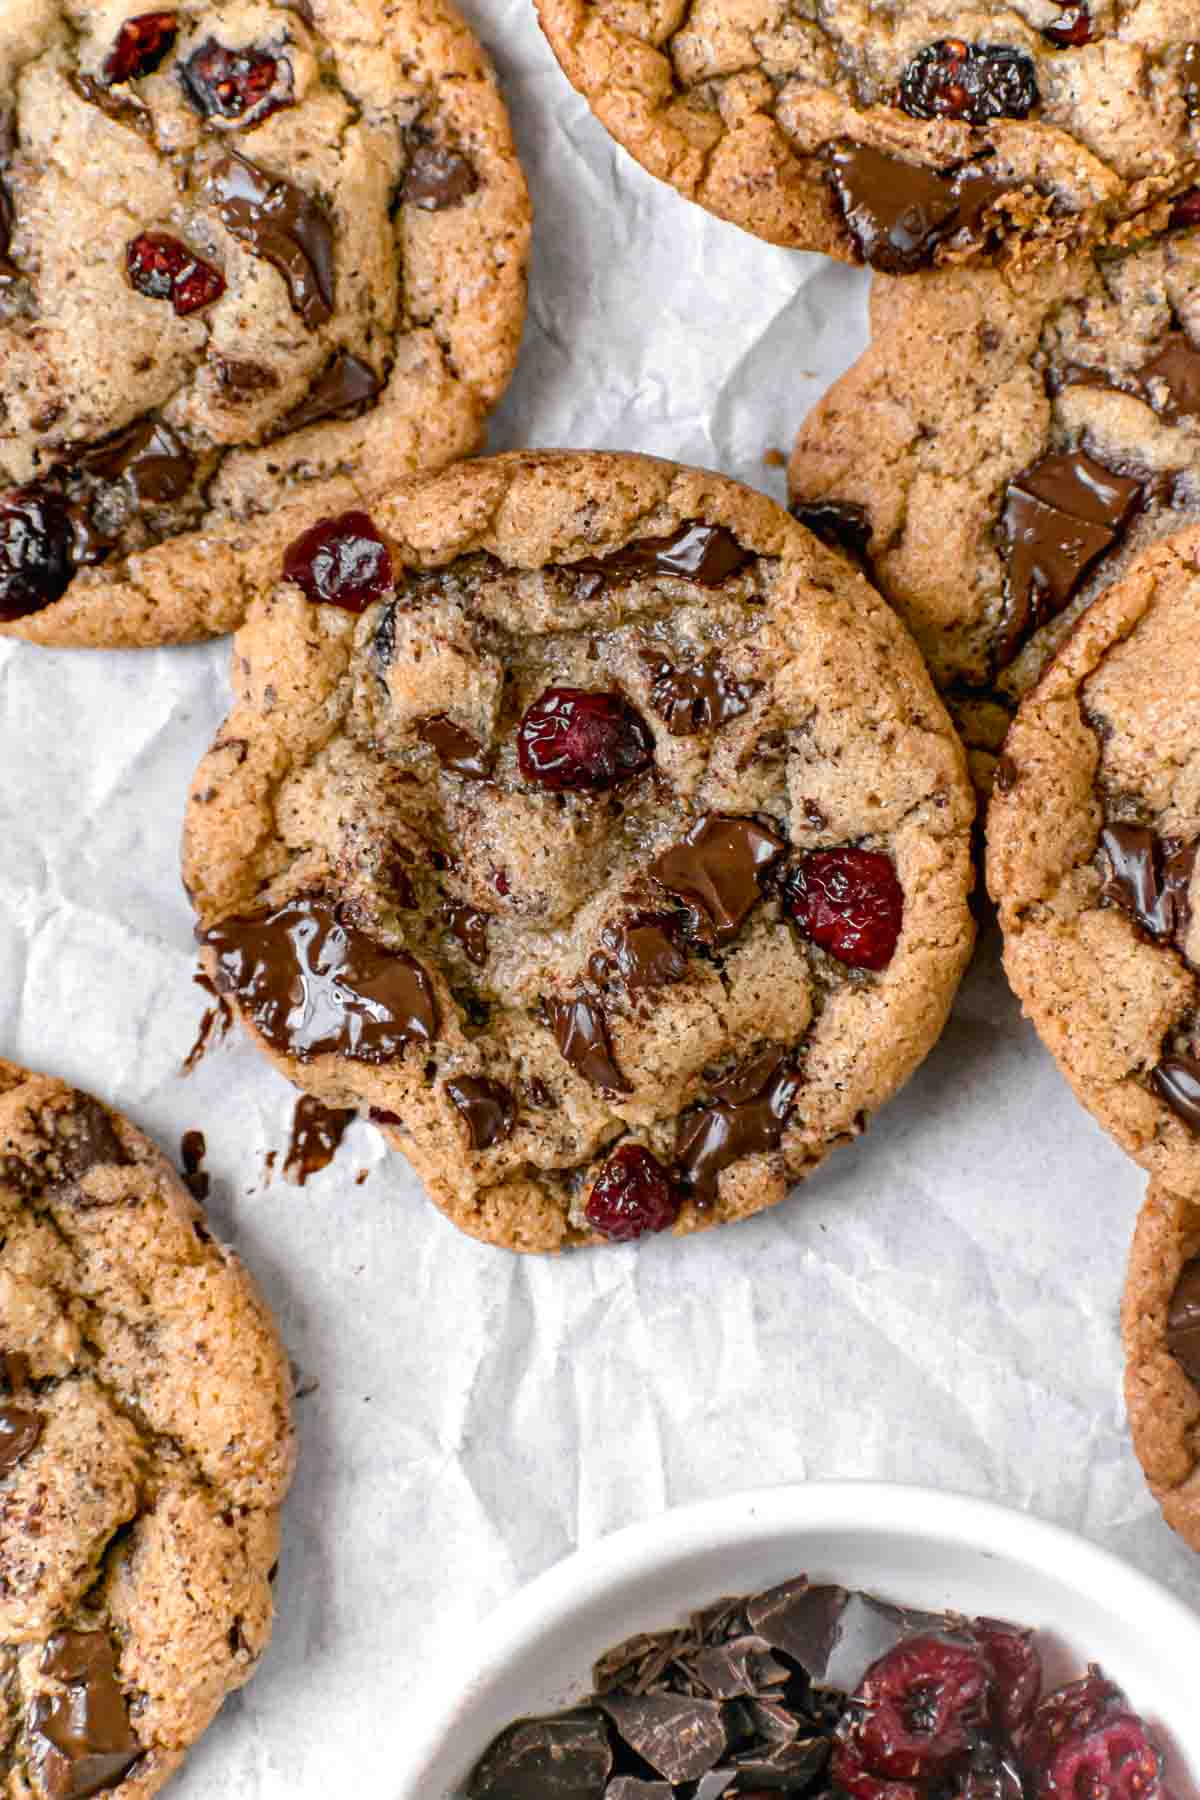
{"type": "Point", "coordinates": [1016, 1667]}
{"type": "Point", "coordinates": [230, 84]}
{"type": "Point", "coordinates": [1114, 1761]}
{"type": "Point", "coordinates": [572, 738]}
{"type": "Point", "coordinates": [633, 1194]}
{"type": "Point", "coordinates": [342, 562]}
{"type": "Point", "coordinates": [36, 550]}
{"type": "Point", "coordinates": [1072, 28]}
{"type": "Point", "coordinates": [140, 46]}
{"type": "Point", "coordinates": [956, 80]}
{"type": "Point", "coordinates": [1068, 1714]}
{"type": "Point", "coordinates": [162, 268]}
{"type": "Point", "coordinates": [854, 1778]}
{"type": "Point", "coordinates": [848, 901]}
{"type": "Point", "coordinates": [915, 1712]}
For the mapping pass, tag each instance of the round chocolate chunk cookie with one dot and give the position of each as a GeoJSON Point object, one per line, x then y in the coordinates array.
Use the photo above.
{"type": "Point", "coordinates": [900, 134]}
{"type": "Point", "coordinates": [145, 1450]}
{"type": "Point", "coordinates": [1160, 1325]}
{"type": "Point", "coordinates": [594, 829]}
{"type": "Point", "coordinates": [1092, 836]}
{"type": "Point", "coordinates": [251, 254]}
{"type": "Point", "coordinates": [1005, 449]}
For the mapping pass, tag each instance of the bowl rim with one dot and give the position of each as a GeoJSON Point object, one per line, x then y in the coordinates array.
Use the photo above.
{"type": "Point", "coordinates": [851, 1506]}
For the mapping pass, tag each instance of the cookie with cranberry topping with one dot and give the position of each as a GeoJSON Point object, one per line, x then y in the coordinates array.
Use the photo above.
{"type": "Point", "coordinates": [595, 830]}
{"type": "Point", "coordinates": [253, 255]}
{"type": "Point", "coordinates": [901, 135]}
{"type": "Point", "coordinates": [1093, 833]}
{"type": "Point", "coordinates": [145, 1451]}
{"type": "Point", "coordinates": [1004, 449]}
{"type": "Point", "coordinates": [1160, 1326]}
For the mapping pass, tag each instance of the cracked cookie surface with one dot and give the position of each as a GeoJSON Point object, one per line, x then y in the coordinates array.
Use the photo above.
{"type": "Point", "coordinates": [1092, 836]}
{"type": "Point", "coordinates": [591, 827]}
{"type": "Point", "coordinates": [1160, 1327]}
{"type": "Point", "coordinates": [145, 1450]}
{"type": "Point", "coordinates": [899, 134]}
{"type": "Point", "coordinates": [1005, 449]}
{"type": "Point", "coordinates": [251, 255]}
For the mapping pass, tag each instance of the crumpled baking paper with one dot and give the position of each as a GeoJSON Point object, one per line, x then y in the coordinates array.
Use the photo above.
{"type": "Point", "coordinates": [939, 1304]}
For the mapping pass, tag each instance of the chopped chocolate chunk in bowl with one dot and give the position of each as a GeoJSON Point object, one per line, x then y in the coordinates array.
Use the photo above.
{"type": "Point", "coordinates": [294, 238]}
{"type": "Point", "coordinates": [490, 849]}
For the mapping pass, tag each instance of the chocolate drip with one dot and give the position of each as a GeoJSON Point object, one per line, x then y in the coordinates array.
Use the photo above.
{"type": "Point", "coordinates": [314, 986]}
{"type": "Point", "coordinates": [81, 1741]}
{"type": "Point", "coordinates": [192, 1150]}
{"type": "Point", "coordinates": [455, 749]}
{"type": "Point", "coordinates": [1183, 1321]}
{"type": "Point", "coordinates": [280, 222]}
{"type": "Point", "coordinates": [639, 953]}
{"type": "Point", "coordinates": [748, 1115]}
{"type": "Point", "coordinates": [148, 456]}
{"type": "Point", "coordinates": [1176, 1079]}
{"type": "Point", "coordinates": [898, 212]}
{"type": "Point", "coordinates": [1149, 878]}
{"type": "Point", "coordinates": [487, 1109]}
{"type": "Point", "coordinates": [20, 1429]}
{"type": "Point", "coordinates": [437, 178]}
{"type": "Point", "coordinates": [581, 1033]}
{"type": "Point", "coordinates": [699, 697]}
{"type": "Point", "coordinates": [470, 927]}
{"type": "Point", "coordinates": [705, 554]}
{"type": "Point", "coordinates": [717, 872]}
{"type": "Point", "coordinates": [317, 1133]}
{"type": "Point", "coordinates": [345, 384]}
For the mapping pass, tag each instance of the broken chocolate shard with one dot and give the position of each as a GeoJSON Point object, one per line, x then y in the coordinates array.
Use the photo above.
{"type": "Point", "coordinates": [1183, 1321]}
{"type": "Point", "coordinates": [315, 986]}
{"type": "Point", "coordinates": [705, 554]}
{"type": "Point", "coordinates": [345, 384]}
{"type": "Point", "coordinates": [581, 1033]}
{"type": "Point", "coordinates": [898, 212]}
{"type": "Point", "coordinates": [486, 1108]}
{"type": "Point", "coordinates": [81, 1741]}
{"type": "Point", "coordinates": [630, 1787]}
{"type": "Point", "coordinates": [1176, 1079]}
{"type": "Point", "coordinates": [280, 222]}
{"type": "Point", "coordinates": [717, 871]}
{"type": "Point", "coordinates": [701, 696]}
{"type": "Point", "coordinates": [743, 1665]}
{"type": "Point", "coordinates": [151, 459]}
{"type": "Point", "coordinates": [680, 1738]}
{"type": "Point", "coordinates": [20, 1429]}
{"type": "Point", "coordinates": [567, 1758]}
{"type": "Point", "coordinates": [437, 178]}
{"type": "Point", "coordinates": [1171, 380]}
{"type": "Point", "coordinates": [458, 752]}
{"type": "Point", "coordinates": [835, 1634]}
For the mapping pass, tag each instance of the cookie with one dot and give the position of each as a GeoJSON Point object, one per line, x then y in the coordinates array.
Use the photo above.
{"type": "Point", "coordinates": [145, 1450]}
{"type": "Point", "coordinates": [1005, 449]}
{"type": "Point", "coordinates": [587, 824]}
{"type": "Point", "coordinates": [1160, 1326]}
{"type": "Point", "coordinates": [252, 255]}
{"type": "Point", "coordinates": [901, 135]}
{"type": "Point", "coordinates": [1092, 836]}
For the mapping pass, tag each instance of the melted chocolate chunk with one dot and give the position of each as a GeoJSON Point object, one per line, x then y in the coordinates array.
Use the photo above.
{"type": "Point", "coordinates": [148, 457]}
{"type": "Point", "coordinates": [1176, 1079]}
{"type": "Point", "coordinates": [281, 223]}
{"type": "Point", "coordinates": [345, 384]}
{"type": "Point", "coordinates": [639, 953]}
{"type": "Point", "coordinates": [1183, 1321]}
{"type": "Point", "coordinates": [192, 1150]}
{"type": "Point", "coordinates": [1171, 380]}
{"type": "Point", "coordinates": [699, 697]}
{"type": "Point", "coordinates": [977, 82]}
{"type": "Point", "coordinates": [705, 554]}
{"type": "Point", "coordinates": [840, 524]}
{"type": "Point", "coordinates": [751, 1109]}
{"type": "Point", "coordinates": [81, 1741]}
{"type": "Point", "coordinates": [1149, 878]}
{"type": "Point", "coordinates": [568, 1758]}
{"type": "Point", "coordinates": [455, 749]}
{"type": "Point", "coordinates": [14, 1371]}
{"type": "Point", "coordinates": [487, 1108]}
{"type": "Point", "coordinates": [314, 986]}
{"type": "Point", "coordinates": [899, 212]}
{"type": "Point", "coordinates": [437, 178]}
{"type": "Point", "coordinates": [1060, 516]}
{"type": "Point", "coordinates": [83, 1139]}
{"type": "Point", "coordinates": [20, 1429]}
{"type": "Point", "coordinates": [717, 871]}
{"type": "Point", "coordinates": [1189, 78]}
{"type": "Point", "coordinates": [241, 87]}
{"type": "Point", "coordinates": [581, 1033]}
{"type": "Point", "coordinates": [242, 380]}
{"type": "Point", "coordinates": [470, 927]}
{"type": "Point", "coordinates": [123, 108]}
{"type": "Point", "coordinates": [680, 1738]}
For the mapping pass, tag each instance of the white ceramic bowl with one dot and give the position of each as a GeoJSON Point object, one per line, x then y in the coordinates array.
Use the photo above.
{"type": "Point", "coordinates": [910, 1545]}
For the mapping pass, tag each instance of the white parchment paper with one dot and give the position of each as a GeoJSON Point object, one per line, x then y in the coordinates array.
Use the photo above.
{"type": "Point", "coordinates": [939, 1304]}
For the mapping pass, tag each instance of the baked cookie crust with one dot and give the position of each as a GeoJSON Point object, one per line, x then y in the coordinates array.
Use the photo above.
{"type": "Point", "coordinates": [1159, 1319]}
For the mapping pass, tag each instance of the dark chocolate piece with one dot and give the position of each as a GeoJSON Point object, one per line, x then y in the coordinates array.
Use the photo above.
{"type": "Point", "coordinates": [717, 871]}
{"type": "Point", "coordinates": [487, 1108]}
{"type": "Point", "coordinates": [83, 1139]}
{"type": "Point", "coordinates": [1060, 516]}
{"type": "Point", "coordinates": [898, 212]}
{"type": "Point", "coordinates": [1189, 78]}
{"type": "Point", "coordinates": [705, 554]}
{"type": "Point", "coordinates": [701, 696]}
{"type": "Point", "coordinates": [81, 1742]}
{"type": "Point", "coordinates": [345, 384]}
{"type": "Point", "coordinates": [123, 107]}
{"type": "Point", "coordinates": [639, 953]}
{"type": "Point", "coordinates": [455, 749]}
{"type": "Point", "coordinates": [437, 178]}
{"type": "Point", "coordinates": [317, 1133]}
{"type": "Point", "coordinates": [581, 1033]}
{"type": "Point", "coordinates": [148, 456]}
{"type": "Point", "coordinates": [314, 986]}
{"type": "Point", "coordinates": [793, 1766]}
{"type": "Point", "coordinates": [1171, 380]}
{"type": "Point", "coordinates": [567, 1758]}
{"type": "Point", "coordinates": [14, 1371]}
{"type": "Point", "coordinates": [1149, 878]}
{"type": "Point", "coordinates": [628, 1787]}
{"type": "Point", "coordinates": [711, 1137]}
{"type": "Point", "coordinates": [840, 524]}
{"type": "Point", "coordinates": [680, 1738]}
{"type": "Point", "coordinates": [470, 927]}
{"type": "Point", "coordinates": [241, 380]}
{"type": "Point", "coordinates": [20, 1429]}
{"type": "Point", "coordinates": [1183, 1321]}
{"type": "Point", "coordinates": [280, 222]}
{"type": "Point", "coordinates": [193, 1148]}
{"type": "Point", "coordinates": [835, 1634]}
{"type": "Point", "coordinates": [1176, 1079]}
{"type": "Point", "coordinates": [742, 1665]}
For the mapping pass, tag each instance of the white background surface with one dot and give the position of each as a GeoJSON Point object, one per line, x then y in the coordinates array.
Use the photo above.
{"type": "Point", "coordinates": [939, 1304]}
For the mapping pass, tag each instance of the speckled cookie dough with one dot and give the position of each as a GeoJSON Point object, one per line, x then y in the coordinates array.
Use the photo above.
{"type": "Point", "coordinates": [1092, 837]}
{"type": "Point", "coordinates": [145, 1450]}
{"type": "Point", "coordinates": [1160, 1325]}
{"type": "Point", "coordinates": [1005, 450]}
{"type": "Point", "coordinates": [898, 133]}
{"type": "Point", "coordinates": [591, 827]}
{"type": "Point", "coordinates": [253, 256]}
